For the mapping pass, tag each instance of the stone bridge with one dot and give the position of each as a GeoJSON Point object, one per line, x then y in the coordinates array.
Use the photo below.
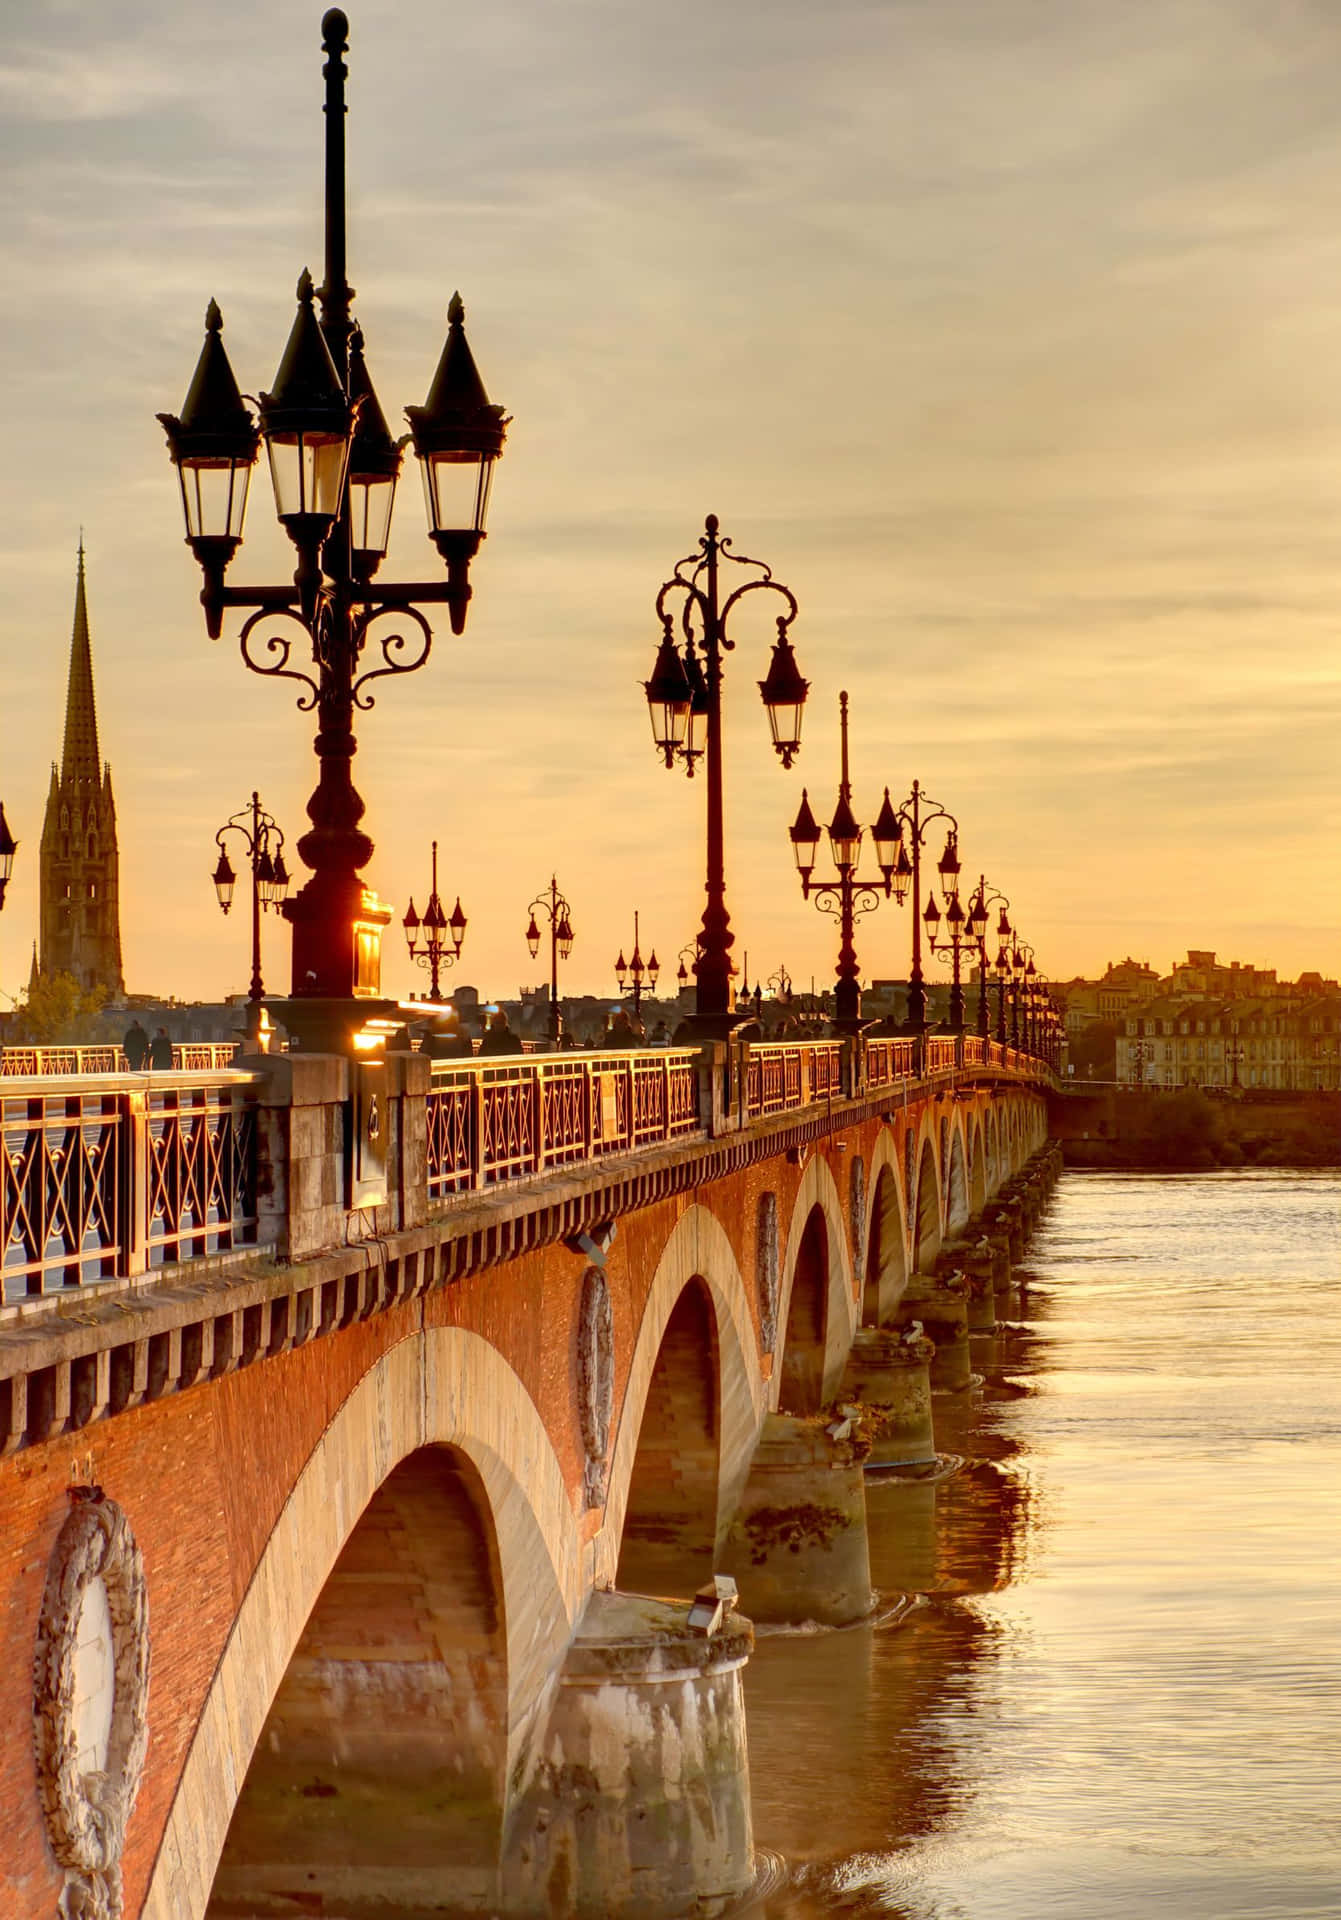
{"type": "Point", "coordinates": [381, 1440]}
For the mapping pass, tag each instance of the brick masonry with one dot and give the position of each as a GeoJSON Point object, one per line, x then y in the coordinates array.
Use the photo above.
{"type": "Point", "coordinates": [204, 1472]}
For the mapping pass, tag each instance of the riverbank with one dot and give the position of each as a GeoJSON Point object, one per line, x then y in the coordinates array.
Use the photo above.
{"type": "Point", "coordinates": [1118, 1128]}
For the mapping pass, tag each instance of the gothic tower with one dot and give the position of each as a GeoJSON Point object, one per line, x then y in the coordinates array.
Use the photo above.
{"type": "Point", "coordinates": [80, 923]}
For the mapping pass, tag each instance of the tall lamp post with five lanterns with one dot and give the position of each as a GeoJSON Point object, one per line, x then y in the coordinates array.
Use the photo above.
{"type": "Point", "coordinates": [333, 467]}
{"type": "Point", "coordinates": [979, 913]}
{"type": "Point", "coordinates": [847, 897]}
{"type": "Point", "coordinates": [917, 813]}
{"type": "Point", "coordinates": [560, 915]}
{"type": "Point", "coordinates": [263, 842]}
{"type": "Point", "coordinates": [435, 938]}
{"type": "Point", "coordinates": [631, 974]}
{"type": "Point", "coordinates": [684, 696]}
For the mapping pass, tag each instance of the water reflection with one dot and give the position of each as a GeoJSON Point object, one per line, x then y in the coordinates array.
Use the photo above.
{"type": "Point", "coordinates": [1119, 1695]}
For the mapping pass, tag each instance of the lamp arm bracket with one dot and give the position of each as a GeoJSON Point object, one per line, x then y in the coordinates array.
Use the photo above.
{"type": "Point", "coordinates": [396, 651]}
{"type": "Point", "coordinates": [279, 651]}
{"type": "Point", "coordinates": [693, 597]}
{"type": "Point", "coordinates": [753, 586]}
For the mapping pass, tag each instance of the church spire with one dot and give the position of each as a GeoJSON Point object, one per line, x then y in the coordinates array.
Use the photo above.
{"type": "Point", "coordinates": [80, 762]}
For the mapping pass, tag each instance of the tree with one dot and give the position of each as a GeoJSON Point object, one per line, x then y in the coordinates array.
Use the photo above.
{"type": "Point", "coordinates": [58, 1012]}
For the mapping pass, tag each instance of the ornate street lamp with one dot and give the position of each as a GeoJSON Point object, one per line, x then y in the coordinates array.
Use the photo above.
{"type": "Point", "coordinates": [632, 973]}
{"type": "Point", "coordinates": [848, 897]}
{"type": "Point", "coordinates": [917, 813]}
{"type": "Point", "coordinates": [553, 904]}
{"type": "Point", "coordinates": [333, 466]}
{"type": "Point", "coordinates": [979, 914]}
{"type": "Point", "coordinates": [957, 935]}
{"type": "Point", "coordinates": [435, 938]}
{"type": "Point", "coordinates": [684, 973]}
{"type": "Point", "coordinates": [263, 848]}
{"type": "Point", "coordinates": [9, 846]}
{"type": "Point", "coordinates": [684, 697]}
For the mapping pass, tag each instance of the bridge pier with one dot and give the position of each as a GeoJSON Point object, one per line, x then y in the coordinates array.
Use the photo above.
{"type": "Point", "coordinates": [941, 1307]}
{"type": "Point", "coordinates": [638, 1801]}
{"type": "Point", "coordinates": [889, 1376]}
{"type": "Point", "coordinates": [798, 1547]}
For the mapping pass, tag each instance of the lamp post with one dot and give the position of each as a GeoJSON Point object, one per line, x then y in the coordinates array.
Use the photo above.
{"type": "Point", "coordinates": [917, 813]}
{"type": "Point", "coordinates": [1235, 1056]}
{"type": "Point", "coordinates": [684, 696]}
{"type": "Point", "coordinates": [553, 904]}
{"type": "Point", "coordinates": [848, 897]}
{"type": "Point", "coordinates": [263, 844]}
{"type": "Point", "coordinates": [688, 958]}
{"type": "Point", "coordinates": [979, 912]}
{"type": "Point", "coordinates": [9, 846]}
{"type": "Point", "coordinates": [1021, 956]}
{"type": "Point", "coordinates": [1141, 1052]}
{"type": "Point", "coordinates": [435, 940]}
{"type": "Point", "coordinates": [334, 466]}
{"type": "Point", "coordinates": [631, 974]}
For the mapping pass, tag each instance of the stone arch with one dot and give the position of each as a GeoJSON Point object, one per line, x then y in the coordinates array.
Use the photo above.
{"type": "Point", "coordinates": [818, 1311]}
{"type": "Point", "coordinates": [698, 1252]}
{"type": "Point", "coordinates": [926, 1212]}
{"type": "Point", "coordinates": [886, 1265]}
{"type": "Point", "coordinates": [381, 1772]}
{"type": "Point", "coordinates": [978, 1180]}
{"type": "Point", "coordinates": [956, 1188]}
{"type": "Point", "coordinates": [443, 1387]}
{"type": "Point", "coordinates": [669, 1538]}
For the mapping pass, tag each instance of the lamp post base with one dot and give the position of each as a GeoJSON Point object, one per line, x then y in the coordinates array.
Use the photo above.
{"type": "Point", "coordinates": [329, 1025]}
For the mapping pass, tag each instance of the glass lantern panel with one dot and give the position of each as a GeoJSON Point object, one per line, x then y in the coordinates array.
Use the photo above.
{"type": "Point", "coordinates": [456, 491]}
{"type": "Point", "coordinates": [370, 504]}
{"type": "Point", "coordinates": [214, 498]}
{"type": "Point", "coordinates": [845, 849]}
{"type": "Point", "coordinates": [785, 721]}
{"type": "Point", "coordinates": [307, 472]}
{"type": "Point", "coordinates": [670, 720]}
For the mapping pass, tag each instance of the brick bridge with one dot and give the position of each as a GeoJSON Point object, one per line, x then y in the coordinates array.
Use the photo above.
{"type": "Point", "coordinates": [350, 1411]}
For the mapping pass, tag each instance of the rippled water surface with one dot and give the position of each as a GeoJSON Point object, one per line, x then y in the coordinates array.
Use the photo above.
{"type": "Point", "coordinates": [1122, 1696]}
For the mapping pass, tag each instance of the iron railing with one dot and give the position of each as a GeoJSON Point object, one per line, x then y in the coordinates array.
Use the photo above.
{"type": "Point", "coordinates": [494, 1120]}
{"type": "Point", "coordinates": [40, 1062]}
{"type": "Point", "coordinates": [782, 1076]}
{"type": "Point", "coordinates": [98, 1184]}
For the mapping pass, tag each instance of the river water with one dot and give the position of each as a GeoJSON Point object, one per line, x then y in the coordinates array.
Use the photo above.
{"type": "Point", "coordinates": [1121, 1696]}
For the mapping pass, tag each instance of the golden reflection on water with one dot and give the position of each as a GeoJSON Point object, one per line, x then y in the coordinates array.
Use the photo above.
{"type": "Point", "coordinates": [1120, 1696]}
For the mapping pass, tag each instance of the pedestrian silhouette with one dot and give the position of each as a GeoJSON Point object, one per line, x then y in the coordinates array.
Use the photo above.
{"type": "Point", "coordinates": [135, 1046]}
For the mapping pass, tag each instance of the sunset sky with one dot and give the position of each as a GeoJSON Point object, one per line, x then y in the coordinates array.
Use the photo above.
{"type": "Point", "coordinates": [1007, 332]}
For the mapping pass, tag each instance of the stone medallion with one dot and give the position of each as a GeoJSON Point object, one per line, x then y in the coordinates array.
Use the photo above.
{"type": "Point", "coordinates": [90, 1700]}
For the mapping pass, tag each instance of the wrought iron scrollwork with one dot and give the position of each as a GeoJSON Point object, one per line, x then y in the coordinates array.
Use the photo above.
{"type": "Point", "coordinates": [277, 645]}
{"type": "Point", "coordinates": [394, 648]}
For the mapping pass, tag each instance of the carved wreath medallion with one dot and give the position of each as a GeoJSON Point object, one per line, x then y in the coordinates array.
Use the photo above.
{"type": "Point", "coordinates": [95, 1564]}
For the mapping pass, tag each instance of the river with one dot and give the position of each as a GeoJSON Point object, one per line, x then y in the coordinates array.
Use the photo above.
{"type": "Point", "coordinates": [1121, 1696]}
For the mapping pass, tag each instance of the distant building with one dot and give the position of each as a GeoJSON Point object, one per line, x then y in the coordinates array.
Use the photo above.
{"type": "Point", "coordinates": [80, 924]}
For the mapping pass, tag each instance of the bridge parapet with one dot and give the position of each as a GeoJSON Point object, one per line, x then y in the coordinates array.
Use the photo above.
{"type": "Point", "coordinates": [106, 1177]}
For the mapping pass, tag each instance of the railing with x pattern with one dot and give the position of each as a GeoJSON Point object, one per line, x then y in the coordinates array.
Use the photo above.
{"type": "Point", "coordinates": [97, 1184]}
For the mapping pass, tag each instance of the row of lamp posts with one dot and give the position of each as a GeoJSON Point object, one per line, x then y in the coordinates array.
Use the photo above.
{"type": "Point", "coordinates": [334, 468]}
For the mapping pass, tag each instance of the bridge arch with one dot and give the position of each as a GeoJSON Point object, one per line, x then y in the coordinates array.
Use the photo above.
{"type": "Point", "coordinates": [440, 1406]}
{"type": "Point", "coordinates": [884, 1258]}
{"type": "Point", "coordinates": [709, 1396]}
{"type": "Point", "coordinates": [978, 1172]}
{"type": "Point", "coordinates": [957, 1207]}
{"type": "Point", "coordinates": [926, 1209]}
{"type": "Point", "coordinates": [818, 1314]}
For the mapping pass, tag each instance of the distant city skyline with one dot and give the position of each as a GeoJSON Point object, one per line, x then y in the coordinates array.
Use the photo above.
{"type": "Point", "coordinates": [1005, 336]}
